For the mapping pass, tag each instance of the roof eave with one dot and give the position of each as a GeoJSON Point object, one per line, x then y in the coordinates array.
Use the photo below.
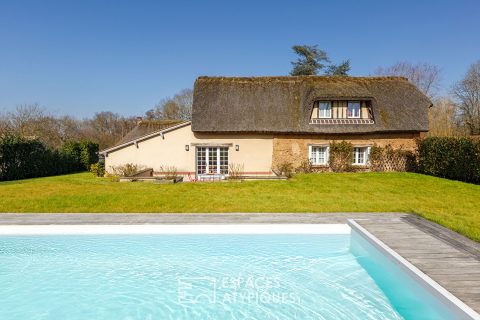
{"type": "Point", "coordinates": [314, 132]}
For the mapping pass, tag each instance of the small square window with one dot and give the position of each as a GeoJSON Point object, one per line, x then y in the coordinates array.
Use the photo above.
{"type": "Point", "coordinates": [353, 109]}
{"type": "Point", "coordinates": [318, 155]}
{"type": "Point", "coordinates": [324, 109]}
{"type": "Point", "coordinates": [360, 155]}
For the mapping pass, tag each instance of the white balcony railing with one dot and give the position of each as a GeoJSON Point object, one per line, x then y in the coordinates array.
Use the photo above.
{"type": "Point", "coordinates": [341, 121]}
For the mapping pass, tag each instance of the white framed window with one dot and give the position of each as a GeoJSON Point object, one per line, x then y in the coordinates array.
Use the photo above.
{"type": "Point", "coordinates": [353, 110]}
{"type": "Point", "coordinates": [212, 160]}
{"type": "Point", "coordinates": [360, 155]}
{"type": "Point", "coordinates": [324, 109]}
{"type": "Point", "coordinates": [318, 155]}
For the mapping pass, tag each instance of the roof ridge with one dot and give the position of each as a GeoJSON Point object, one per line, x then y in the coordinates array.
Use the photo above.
{"type": "Point", "coordinates": [354, 78]}
{"type": "Point", "coordinates": [161, 122]}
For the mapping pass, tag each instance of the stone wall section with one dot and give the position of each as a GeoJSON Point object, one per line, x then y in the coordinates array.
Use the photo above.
{"type": "Point", "coordinates": [294, 148]}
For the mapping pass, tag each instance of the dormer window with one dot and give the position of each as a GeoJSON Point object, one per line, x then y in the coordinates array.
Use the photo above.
{"type": "Point", "coordinates": [328, 112]}
{"type": "Point", "coordinates": [353, 110]}
{"type": "Point", "coordinates": [324, 109]}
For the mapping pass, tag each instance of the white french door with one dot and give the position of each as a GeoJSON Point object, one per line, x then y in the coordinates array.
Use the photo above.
{"type": "Point", "coordinates": [212, 160]}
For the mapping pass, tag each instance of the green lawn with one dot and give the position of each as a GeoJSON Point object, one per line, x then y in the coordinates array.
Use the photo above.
{"type": "Point", "coordinates": [455, 205]}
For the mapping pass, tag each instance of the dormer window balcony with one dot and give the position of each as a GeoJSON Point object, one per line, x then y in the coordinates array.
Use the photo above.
{"type": "Point", "coordinates": [342, 112]}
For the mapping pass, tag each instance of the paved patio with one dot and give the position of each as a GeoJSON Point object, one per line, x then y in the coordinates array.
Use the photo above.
{"type": "Point", "coordinates": [450, 259]}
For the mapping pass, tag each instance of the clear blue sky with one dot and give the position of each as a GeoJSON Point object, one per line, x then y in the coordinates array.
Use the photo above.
{"type": "Point", "coordinates": [79, 57]}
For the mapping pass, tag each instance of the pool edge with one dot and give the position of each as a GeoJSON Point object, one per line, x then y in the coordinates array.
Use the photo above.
{"type": "Point", "coordinates": [107, 229]}
{"type": "Point", "coordinates": [431, 285]}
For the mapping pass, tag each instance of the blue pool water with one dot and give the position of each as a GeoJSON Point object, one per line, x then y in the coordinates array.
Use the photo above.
{"type": "Point", "coordinates": [149, 277]}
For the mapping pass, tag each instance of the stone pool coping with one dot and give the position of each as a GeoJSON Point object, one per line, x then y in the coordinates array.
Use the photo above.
{"type": "Point", "coordinates": [169, 229]}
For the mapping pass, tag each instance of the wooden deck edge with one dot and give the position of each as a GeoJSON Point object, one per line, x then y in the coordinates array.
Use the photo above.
{"type": "Point", "coordinates": [453, 238]}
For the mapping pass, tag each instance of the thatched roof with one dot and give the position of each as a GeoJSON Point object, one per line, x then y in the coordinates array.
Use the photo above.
{"type": "Point", "coordinates": [284, 104]}
{"type": "Point", "coordinates": [145, 128]}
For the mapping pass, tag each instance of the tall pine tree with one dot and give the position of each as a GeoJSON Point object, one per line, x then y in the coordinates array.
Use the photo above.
{"type": "Point", "coordinates": [312, 60]}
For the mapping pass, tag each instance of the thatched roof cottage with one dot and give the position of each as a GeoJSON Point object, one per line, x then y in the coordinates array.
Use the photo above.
{"type": "Point", "coordinates": [258, 123]}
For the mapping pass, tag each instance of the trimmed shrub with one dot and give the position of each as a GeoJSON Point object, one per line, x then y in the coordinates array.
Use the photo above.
{"type": "Point", "coordinates": [97, 169]}
{"type": "Point", "coordinates": [450, 157]}
{"type": "Point", "coordinates": [341, 156]}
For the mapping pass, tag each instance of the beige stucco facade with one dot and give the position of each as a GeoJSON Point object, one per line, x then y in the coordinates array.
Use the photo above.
{"type": "Point", "coordinates": [294, 148]}
{"type": "Point", "coordinates": [254, 153]}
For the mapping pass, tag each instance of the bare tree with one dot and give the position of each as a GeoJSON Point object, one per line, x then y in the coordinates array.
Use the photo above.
{"type": "Point", "coordinates": [32, 121]}
{"type": "Point", "coordinates": [107, 128]}
{"type": "Point", "coordinates": [178, 108]}
{"type": "Point", "coordinates": [5, 127]}
{"type": "Point", "coordinates": [443, 118]}
{"type": "Point", "coordinates": [425, 76]}
{"type": "Point", "coordinates": [467, 94]}
{"type": "Point", "coordinates": [26, 120]}
{"type": "Point", "coordinates": [184, 99]}
{"type": "Point", "coordinates": [69, 128]}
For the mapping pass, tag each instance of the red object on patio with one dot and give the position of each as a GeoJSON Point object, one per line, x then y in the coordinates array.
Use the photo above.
{"type": "Point", "coordinates": [192, 178]}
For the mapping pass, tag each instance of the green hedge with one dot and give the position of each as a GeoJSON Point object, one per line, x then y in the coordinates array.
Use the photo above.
{"type": "Point", "coordinates": [85, 153]}
{"type": "Point", "coordinates": [451, 158]}
{"type": "Point", "coordinates": [22, 158]}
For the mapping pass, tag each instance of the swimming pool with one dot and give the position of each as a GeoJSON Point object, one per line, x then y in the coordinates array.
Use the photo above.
{"type": "Point", "coordinates": [206, 272]}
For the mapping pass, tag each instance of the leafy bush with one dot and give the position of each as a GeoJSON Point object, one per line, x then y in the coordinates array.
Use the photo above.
{"type": "Point", "coordinates": [22, 158]}
{"type": "Point", "coordinates": [97, 169]}
{"type": "Point", "coordinates": [450, 157]}
{"type": "Point", "coordinates": [341, 156]}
